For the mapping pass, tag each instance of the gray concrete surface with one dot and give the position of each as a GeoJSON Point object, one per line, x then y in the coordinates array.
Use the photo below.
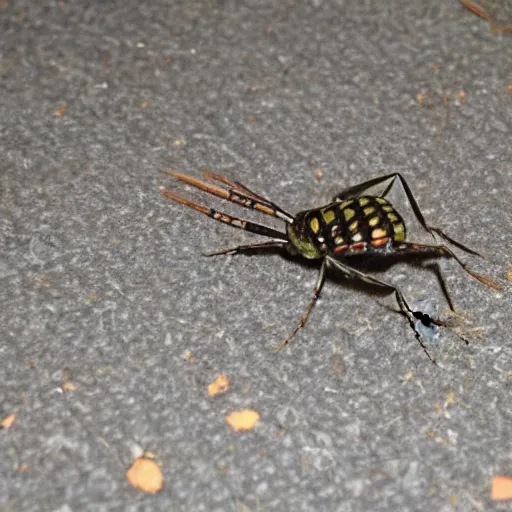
{"type": "Point", "coordinates": [103, 284]}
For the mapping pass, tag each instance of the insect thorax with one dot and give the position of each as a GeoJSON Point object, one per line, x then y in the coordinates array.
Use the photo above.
{"type": "Point", "coordinates": [356, 225]}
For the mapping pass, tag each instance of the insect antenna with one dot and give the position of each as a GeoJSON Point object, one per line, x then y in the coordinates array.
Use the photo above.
{"type": "Point", "coordinates": [227, 219]}
{"type": "Point", "coordinates": [236, 193]}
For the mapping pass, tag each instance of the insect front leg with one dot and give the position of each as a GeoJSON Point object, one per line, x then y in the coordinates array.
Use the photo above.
{"type": "Point", "coordinates": [316, 293]}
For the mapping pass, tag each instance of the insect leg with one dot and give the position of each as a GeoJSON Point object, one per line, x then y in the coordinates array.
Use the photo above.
{"type": "Point", "coordinates": [227, 219]}
{"type": "Point", "coordinates": [441, 251]}
{"type": "Point", "coordinates": [357, 190]}
{"type": "Point", "coordinates": [431, 229]}
{"type": "Point", "coordinates": [400, 299]}
{"type": "Point", "coordinates": [247, 248]}
{"type": "Point", "coordinates": [361, 188]}
{"type": "Point", "coordinates": [316, 293]}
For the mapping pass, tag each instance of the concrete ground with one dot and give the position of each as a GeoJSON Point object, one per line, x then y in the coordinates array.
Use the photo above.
{"type": "Point", "coordinates": [112, 323]}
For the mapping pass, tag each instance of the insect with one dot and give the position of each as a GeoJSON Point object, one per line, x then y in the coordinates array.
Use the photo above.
{"type": "Point", "coordinates": [355, 223]}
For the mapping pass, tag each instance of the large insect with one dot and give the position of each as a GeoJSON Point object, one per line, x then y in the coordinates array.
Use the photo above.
{"type": "Point", "coordinates": [356, 223]}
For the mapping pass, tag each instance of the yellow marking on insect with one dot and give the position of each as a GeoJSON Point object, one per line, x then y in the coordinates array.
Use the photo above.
{"type": "Point", "coordinates": [378, 233]}
{"type": "Point", "coordinates": [328, 215]}
{"type": "Point", "coordinates": [315, 225]}
{"type": "Point", "coordinates": [343, 205]}
{"type": "Point", "coordinates": [381, 200]}
{"type": "Point", "coordinates": [339, 240]}
{"type": "Point", "coordinates": [357, 237]}
{"type": "Point", "coordinates": [388, 208]}
{"type": "Point", "coordinates": [348, 213]}
{"type": "Point", "coordinates": [380, 241]}
{"type": "Point", "coordinates": [363, 201]}
{"type": "Point", "coordinates": [399, 231]}
{"type": "Point", "coordinates": [392, 217]}
{"type": "Point", "coordinates": [369, 210]}
{"type": "Point", "coordinates": [374, 221]}
{"type": "Point", "coordinates": [353, 226]}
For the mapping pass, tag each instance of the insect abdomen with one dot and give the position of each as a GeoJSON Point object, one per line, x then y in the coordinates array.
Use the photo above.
{"type": "Point", "coordinates": [352, 226]}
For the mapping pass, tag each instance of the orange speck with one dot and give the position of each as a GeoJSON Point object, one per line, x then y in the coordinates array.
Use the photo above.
{"type": "Point", "coordinates": [168, 60]}
{"type": "Point", "coordinates": [408, 376]}
{"type": "Point", "coordinates": [68, 386]}
{"type": "Point", "coordinates": [461, 95]}
{"type": "Point", "coordinates": [145, 474]}
{"type": "Point", "coordinates": [509, 89]}
{"type": "Point", "coordinates": [61, 110]}
{"type": "Point", "coordinates": [144, 104]}
{"type": "Point", "coordinates": [244, 419]}
{"type": "Point", "coordinates": [319, 174]}
{"type": "Point", "coordinates": [501, 488]}
{"type": "Point", "coordinates": [251, 120]}
{"type": "Point", "coordinates": [218, 386]}
{"type": "Point", "coordinates": [7, 422]}
{"type": "Point", "coordinates": [509, 273]}
{"type": "Point", "coordinates": [189, 356]}
{"type": "Point", "coordinates": [420, 98]}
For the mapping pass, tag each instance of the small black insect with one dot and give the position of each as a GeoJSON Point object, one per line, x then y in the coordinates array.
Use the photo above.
{"type": "Point", "coordinates": [356, 223]}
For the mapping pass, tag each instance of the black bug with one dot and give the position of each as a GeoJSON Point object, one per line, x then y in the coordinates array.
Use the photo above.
{"type": "Point", "coordinates": [355, 223]}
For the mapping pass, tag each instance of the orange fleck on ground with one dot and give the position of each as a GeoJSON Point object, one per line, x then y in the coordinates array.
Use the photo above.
{"type": "Point", "coordinates": [145, 474]}
{"type": "Point", "coordinates": [244, 419]}
{"type": "Point", "coordinates": [319, 174]}
{"type": "Point", "coordinates": [7, 422]}
{"type": "Point", "coordinates": [501, 488]}
{"type": "Point", "coordinates": [61, 110]}
{"type": "Point", "coordinates": [509, 273]}
{"type": "Point", "coordinates": [68, 386]}
{"type": "Point", "coordinates": [218, 386]}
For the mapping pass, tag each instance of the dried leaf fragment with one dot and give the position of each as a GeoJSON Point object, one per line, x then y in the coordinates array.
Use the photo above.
{"type": "Point", "coordinates": [145, 474]}
{"type": "Point", "coordinates": [501, 488]}
{"type": "Point", "coordinates": [218, 386]}
{"type": "Point", "coordinates": [244, 419]}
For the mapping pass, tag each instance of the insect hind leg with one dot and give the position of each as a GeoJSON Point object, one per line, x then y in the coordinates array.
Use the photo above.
{"type": "Point", "coordinates": [361, 188]}
{"type": "Point", "coordinates": [441, 251]}
{"type": "Point", "coordinates": [405, 309]}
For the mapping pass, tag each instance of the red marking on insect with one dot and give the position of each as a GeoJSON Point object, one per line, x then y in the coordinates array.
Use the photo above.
{"type": "Point", "coordinates": [361, 246]}
{"type": "Point", "coordinates": [340, 249]}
